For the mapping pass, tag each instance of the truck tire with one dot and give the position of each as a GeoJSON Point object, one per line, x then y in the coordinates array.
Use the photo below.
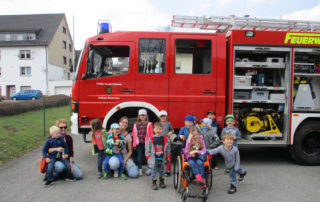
{"type": "Point", "coordinates": [306, 146]}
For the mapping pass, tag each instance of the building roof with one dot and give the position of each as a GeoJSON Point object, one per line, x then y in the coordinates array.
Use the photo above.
{"type": "Point", "coordinates": [45, 25]}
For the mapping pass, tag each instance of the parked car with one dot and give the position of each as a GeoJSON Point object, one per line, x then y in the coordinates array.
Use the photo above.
{"type": "Point", "coordinates": [27, 95]}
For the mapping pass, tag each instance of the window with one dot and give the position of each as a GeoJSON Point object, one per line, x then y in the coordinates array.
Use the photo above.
{"type": "Point", "coordinates": [64, 60]}
{"type": "Point", "coordinates": [25, 71]}
{"type": "Point", "coordinates": [70, 47]}
{"type": "Point", "coordinates": [64, 30]}
{"type": "Point", "coordinates": [108, 61]}
{"type": "Point", "coordinates": [22, 88]}
{"type": "Point", "coordinates": [25, 54]}
{"type": "Point", "coordinates": [152, 56]}
{"type": "Point", "coordinates": [70, 63]}
{"type": "Point", "coordinates": [193, 56]}
{"type": "Point", "coordinates": [64, 44]}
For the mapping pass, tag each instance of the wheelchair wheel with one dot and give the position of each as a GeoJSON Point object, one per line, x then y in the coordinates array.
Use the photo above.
{"type": "Point", "coordinates": [209, 179]}
{"type": "Point", "coordinates": [184, 196]}
{"type": "Point", "coordinates": [205, 194]}
{"type": "Point", "coordinates": [177, 171]}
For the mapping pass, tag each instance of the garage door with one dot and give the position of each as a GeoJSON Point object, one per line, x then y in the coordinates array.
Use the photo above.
{"type": "Point", "coordinates": [65, 90]}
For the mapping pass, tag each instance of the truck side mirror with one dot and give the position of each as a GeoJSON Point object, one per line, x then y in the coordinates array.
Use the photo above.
{"type": "Point", "coordinates": [83, 76]}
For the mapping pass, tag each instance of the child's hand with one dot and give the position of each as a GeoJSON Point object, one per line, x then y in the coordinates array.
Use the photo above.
{"type": "Point", "coordinates": [59, 149]}
{"type": "Point", "coordinates": [48, 160]}
{"type": "Point", "coordinates": [169, 134]}
{"type": "Point", "coordinates": [182, 137]}
{"type": "Point", "coordinates": [64, 156]}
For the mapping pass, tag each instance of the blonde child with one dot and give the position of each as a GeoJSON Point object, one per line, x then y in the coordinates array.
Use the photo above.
{"type": "Point", "coordinates": [167, 130]}
{"type": "Point", "coordinates": [232, 160]}
{"type": "Point", "coordinates": [142, 130]}
{"type": "Point", "coordinates": [157, 153]}
{"type": "Point", "coordinates": [56, 147]}
{"type": "Point", "coordinates": [195, 153]}
{"type": "Point", "coordinates": [99, 137]}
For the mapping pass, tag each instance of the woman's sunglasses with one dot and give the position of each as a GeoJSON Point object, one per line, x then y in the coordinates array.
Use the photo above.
{"type": "Point", "coordinates": [63, 127]}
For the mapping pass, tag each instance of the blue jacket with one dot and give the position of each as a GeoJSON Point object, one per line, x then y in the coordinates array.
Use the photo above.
{"type": "Point", "coordinates": [111, 149]}
{"type": "Point", "coordinates": [184, 131]}
{"type": "Point", "coordinates": [54, 143]}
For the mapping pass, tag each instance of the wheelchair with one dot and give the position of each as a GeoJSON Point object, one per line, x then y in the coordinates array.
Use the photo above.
{"type": "Point", "coordinates": [183, 177]}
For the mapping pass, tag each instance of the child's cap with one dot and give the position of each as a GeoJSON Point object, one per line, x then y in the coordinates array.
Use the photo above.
{"type": "Point", "coordinates": [142, 112]}
{"type": "Point", "coordinates": [163, 113]}
{"type": "Point", "coordinates": [115, 126]}
{"type": "Point", "coordinates": [189, 118]}
{"type": "Point", "coordinates": [229, 116]}
{"type": "Point", "coordinates": [207, 121]}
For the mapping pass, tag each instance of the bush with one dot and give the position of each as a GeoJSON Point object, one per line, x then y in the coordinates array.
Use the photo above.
{"type": "Point", "coordinates": [18, 107]}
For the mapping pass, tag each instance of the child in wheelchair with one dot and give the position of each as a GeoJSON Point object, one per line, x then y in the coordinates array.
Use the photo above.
{"type": "Point", "coordinates": [195, 154]}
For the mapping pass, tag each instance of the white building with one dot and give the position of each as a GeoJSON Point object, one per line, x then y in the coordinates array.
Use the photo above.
{"type": "Point", "coordinates": [36, 52]}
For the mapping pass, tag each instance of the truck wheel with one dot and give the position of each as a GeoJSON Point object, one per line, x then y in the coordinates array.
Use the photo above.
{"type": "Point", "coordinates": [306, 146]}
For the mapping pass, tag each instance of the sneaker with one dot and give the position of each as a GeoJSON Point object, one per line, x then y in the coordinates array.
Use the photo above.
{"type": "Point", "coordinates": [140, 172]}
{"type": "Point", "coordinates": [105, 176]}
{"type": "Point", "coordinates": [116, 174]}
{"type": "Point", "coordinates": [99, 175]}
{"type": "Point", "coordinates": [154, 185]}
{"type": "Point", "coordinates": [71, 179]}
{"type": "Point", "coordinates": [232, 189]}
{"type": "Point", "coordinates": [241, 176]}
{"type": "Point", "coordinates": [48, 183]}
{"type": "Point", "coordinates": [162, 184]}
{"type": "Point", "coordinates": [45, 178]}
{"type": "Point", "coordinates": [148, 172]}
{"type": "Point", "coordinates": [123, 176]}
{"type": "Point", "coordinates": [199, 179]}
{"type": "Point", "coordinates": [203, 186]}
{"type": "Point", "coordinates": [167, 173]}
{"type": "Point", "coordinates": [227, 171]}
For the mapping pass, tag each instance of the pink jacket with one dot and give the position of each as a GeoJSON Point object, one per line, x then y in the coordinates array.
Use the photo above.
{"type": "Point", "coordinates": [135, 141]}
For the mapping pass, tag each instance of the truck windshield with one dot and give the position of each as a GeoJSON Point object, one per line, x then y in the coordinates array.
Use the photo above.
{"type": "Point", "coordinates": [108, 61]}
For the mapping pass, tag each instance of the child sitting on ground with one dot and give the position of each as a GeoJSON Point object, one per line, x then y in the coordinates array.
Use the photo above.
{"type": "Point", "coordinates": [57, 147]}
{"type": "Point", "coordinates": [115, 144]}
{"type": "Point", "coordinates": [231, 156]}
{"type": "Point", "coordinates": [157, 154]}
{"type": "Point", "coordinates": [195, 153]}
{"type": "Point", "coordinates": [167, 130]}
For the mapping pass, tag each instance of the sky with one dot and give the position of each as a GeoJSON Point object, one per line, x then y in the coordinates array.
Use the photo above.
{"type": "Point", "coordinates": [156, 15]}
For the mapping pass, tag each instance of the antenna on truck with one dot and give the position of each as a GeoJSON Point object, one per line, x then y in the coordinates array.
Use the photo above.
{"type": "Point", "coordinates": [224, 24]}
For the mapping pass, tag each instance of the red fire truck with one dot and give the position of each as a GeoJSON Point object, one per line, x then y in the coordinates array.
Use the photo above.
{"type": "Point", "coordinates": [265, 72]}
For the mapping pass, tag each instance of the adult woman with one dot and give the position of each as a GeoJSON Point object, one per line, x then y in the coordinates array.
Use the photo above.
{"type": "Point", "coordinates": [130, 166]}
{"type": "Point", "coordinates": [58, 166]}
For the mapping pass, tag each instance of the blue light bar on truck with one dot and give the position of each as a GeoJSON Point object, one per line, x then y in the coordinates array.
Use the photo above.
{"type": "Point", "coordinates": [104, 26]}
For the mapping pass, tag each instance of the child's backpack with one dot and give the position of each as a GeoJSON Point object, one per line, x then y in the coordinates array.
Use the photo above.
{"type": "Point", "coordinates": [43, 165]}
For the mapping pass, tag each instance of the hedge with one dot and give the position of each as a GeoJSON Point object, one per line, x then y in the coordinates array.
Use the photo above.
{"type": "Point", "coordinates": [18, 107]}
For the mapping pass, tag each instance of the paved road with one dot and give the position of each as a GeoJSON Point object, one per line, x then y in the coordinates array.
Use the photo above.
{"type": "Point", "coordinates": [272, 176]}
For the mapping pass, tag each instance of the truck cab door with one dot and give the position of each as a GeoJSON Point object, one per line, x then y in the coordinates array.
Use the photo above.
{"type": "Point", "coordinates": [108, 78]}
{"type": "Point", "coordinates": [192, 83]}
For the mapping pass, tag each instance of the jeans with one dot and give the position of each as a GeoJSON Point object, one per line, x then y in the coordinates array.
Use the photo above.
{"type": "Point", "coordinates": [233, 175]}
{"type": "Point", "coordinates": [59, 168]}
{"type": "Point", "coordinates": [101, 156]}
{"type": "Point", "coordinates": [106, 162]}
{"type": "Point", "coordinates": [141, 154]}
{"type": "Point", "coordinates": [196, 169]}
{"type": "Point", "coordinates": [158, 168]}
{"type": "Point", "coordinates": [51, 166]}
{"type": "Point", "coordinates": [131, 168]}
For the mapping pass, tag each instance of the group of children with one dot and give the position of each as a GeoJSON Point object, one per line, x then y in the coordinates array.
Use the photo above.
{"type": "Point", "coordinates": [152, 141]}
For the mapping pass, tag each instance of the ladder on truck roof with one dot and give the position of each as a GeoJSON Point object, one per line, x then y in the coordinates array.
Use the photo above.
{"type": "Point", "coordinates": [224, 24]}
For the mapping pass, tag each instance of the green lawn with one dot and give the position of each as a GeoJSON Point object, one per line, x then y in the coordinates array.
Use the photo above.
{"type": "Point", "coordinates": [22, 133]}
